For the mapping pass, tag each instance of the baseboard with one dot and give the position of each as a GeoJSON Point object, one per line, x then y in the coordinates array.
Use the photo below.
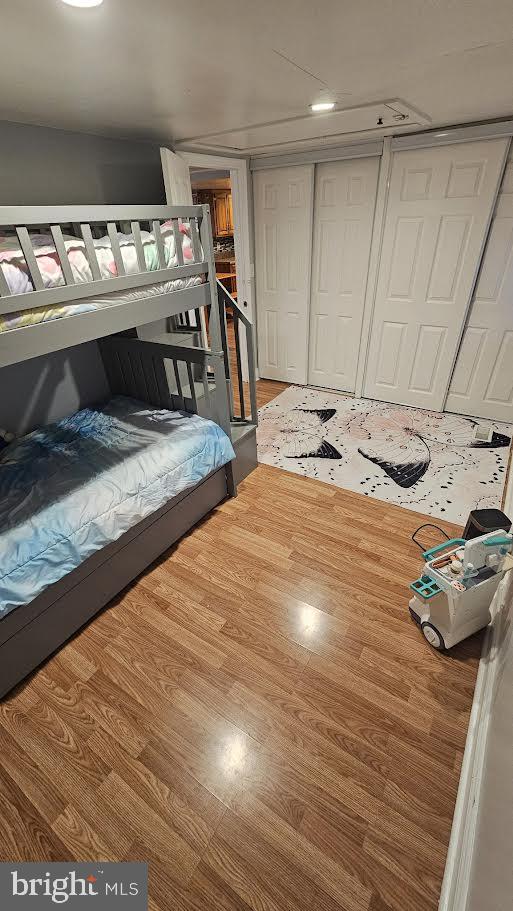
{"type": "Point", "coordinates": [458, 866]}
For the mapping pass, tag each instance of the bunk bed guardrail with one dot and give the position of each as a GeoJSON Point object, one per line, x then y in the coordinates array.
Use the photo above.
{"type": "Point", "coordinates": [150, 371]}
{"type": "Point", "coordinates": [84, 219]}
{"type": "Point", "coordinates": [88, 277]}
{"type": "Point", "coordinates": [243, 392]}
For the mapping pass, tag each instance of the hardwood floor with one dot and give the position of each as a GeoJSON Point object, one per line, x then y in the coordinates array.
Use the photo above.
{"type": "Point", "coordinates": [257, 717]}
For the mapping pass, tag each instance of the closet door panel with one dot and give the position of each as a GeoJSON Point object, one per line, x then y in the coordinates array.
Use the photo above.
{"type": "Point", "coordinates": [438, 211]}
{"type": "Point", "coordinates": [345, 197]}
{"type": "Point", "coordinates": [482, 383]}
{"type": "Point", "coordinates": [283, 228]}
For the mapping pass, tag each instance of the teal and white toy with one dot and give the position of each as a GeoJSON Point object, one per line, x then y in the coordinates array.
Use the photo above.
{"type": "Point", "coordinates": [452, 598]}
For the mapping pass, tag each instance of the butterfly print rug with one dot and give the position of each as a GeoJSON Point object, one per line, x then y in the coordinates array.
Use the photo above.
{"type": "Point", "coordinates": [423, 460]}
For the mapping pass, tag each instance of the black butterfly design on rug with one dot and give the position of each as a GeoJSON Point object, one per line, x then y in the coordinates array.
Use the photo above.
{"type": "Point", "coordinates": [305, 426]}
{"type": "Point", "coordinates": [403, 453]}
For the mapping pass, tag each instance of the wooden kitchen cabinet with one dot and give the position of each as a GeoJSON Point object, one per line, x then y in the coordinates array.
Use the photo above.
{"type": "Point", "coordinates": [221, 209]}
{"type": "Point", "coordinates": [223, 213]}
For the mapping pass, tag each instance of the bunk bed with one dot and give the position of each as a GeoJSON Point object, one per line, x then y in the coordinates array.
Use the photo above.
{"type": "Point", "coordinates": [87, 503]}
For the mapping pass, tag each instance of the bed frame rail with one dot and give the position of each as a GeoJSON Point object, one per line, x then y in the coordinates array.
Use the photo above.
{"type": "Point", "coordinates": [84, 222]}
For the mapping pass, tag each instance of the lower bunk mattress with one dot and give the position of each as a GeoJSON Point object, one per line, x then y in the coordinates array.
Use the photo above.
{"type": "Point", "coordinates": [71, 488]}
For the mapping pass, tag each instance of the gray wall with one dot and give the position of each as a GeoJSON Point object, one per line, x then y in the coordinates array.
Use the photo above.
{"type": "Point", "coordinates": [41, 166]}
{"type": "Point", "coordinates": [491, 885]}
{"type": "Point", "coordinates": [47, 388]}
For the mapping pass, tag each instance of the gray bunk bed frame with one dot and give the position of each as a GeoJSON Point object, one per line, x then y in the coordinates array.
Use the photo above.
{"type": "Point", "coordinates": [147, 370]}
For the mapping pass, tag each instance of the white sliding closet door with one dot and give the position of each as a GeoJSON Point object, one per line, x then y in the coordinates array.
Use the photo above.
{"type": "Point", "coordinates": [482, 383]}
{"type": "Point", "coordinates": [283, 234]}
{"type": "Point", "coordinates": [439, 207]}
{"type": "Point", "coordinates": [345, 197]}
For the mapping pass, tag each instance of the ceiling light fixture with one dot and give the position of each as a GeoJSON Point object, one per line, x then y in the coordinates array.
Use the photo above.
{"type": "Point", "coordinates": [322, 106]}
{"type": "Point", "coordinates": [85, 4]}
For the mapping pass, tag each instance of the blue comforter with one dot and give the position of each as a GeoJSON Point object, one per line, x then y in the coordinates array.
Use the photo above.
{"type": "Point", "coordinates": [71, 488]}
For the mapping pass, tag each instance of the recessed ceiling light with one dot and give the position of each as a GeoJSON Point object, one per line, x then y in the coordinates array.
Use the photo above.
{"type": "Point", "coordinates": [83, 3]}
{"type": "Point", "coordinates": [322, 106]}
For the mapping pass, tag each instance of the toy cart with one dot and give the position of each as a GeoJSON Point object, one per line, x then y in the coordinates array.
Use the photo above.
{"type": "Point", "coordinates": [452, 597]}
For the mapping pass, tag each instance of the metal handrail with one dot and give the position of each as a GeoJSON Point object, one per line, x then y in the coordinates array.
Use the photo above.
{"type": "Point", "coordinates": [224, 299]}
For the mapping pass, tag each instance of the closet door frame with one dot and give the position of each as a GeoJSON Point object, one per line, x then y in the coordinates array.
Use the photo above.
{"type": "Point", "coordinates": [384, 149]}
{"type": "Point", "coordinates": [300, 309]}
{"type": "Point", "coordinates": [385, 167]}
{"type": "Point", "coordinates": [373, 149]}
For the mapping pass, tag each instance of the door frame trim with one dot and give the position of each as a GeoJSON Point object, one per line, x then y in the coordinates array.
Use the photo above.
{"type": "Point", "coordinates": [243, 238]}
{"type": "Point", "coordinates": [318, 156]}
{"type": "Point", "coordinates": [239, 178]}
{"type": "Point", "coordinates": [451, 134]}
{"type": "Point", "coordinates": [378, 229]}
{"type": "Point", "coordinates": [310, 166]}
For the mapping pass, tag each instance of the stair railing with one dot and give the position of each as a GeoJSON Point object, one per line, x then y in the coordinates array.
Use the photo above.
{"type": "Point", "coordinates": [233, 359]}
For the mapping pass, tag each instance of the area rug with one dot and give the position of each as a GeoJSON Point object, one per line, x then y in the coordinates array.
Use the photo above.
{"type": "Point", "coordinates": [423, 460]}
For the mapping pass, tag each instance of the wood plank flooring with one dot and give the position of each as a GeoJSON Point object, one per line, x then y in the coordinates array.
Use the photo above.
{"type": "Point", "coordinates": [257, 717]}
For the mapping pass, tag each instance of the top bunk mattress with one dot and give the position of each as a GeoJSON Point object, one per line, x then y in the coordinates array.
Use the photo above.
{"type": "Point", "coordinates": [16, 273]}
{"type": "Point", "coordinates": [71, 488]}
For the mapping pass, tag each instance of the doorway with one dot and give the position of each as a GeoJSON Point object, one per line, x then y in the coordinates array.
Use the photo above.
{"type": "Point", "coordinates": [214, 188]}
{"type": "Point", "coordinates": [232, 224]}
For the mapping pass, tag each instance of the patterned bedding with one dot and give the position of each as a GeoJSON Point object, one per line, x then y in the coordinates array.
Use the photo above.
{"type": "Point", "coordinates": [14, 267]}
{"type": "Point", "coordinates": [69, 489]}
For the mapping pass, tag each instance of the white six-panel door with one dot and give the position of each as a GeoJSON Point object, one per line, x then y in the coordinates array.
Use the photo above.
{"type": "Point", "coordinates": [482, 383]}
{"type": "Point", "coordinates": [439, 207]}
{"type": "Point", "coordinates": [345, 197]}
{"type": "Point", "coordinates": [283, 233]}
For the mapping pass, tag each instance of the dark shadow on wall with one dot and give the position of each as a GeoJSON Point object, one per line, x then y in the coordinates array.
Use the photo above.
{"type": "Point", "coordinates": [145, 184]}
{"type": "Point", "coordinates": [45, 389]}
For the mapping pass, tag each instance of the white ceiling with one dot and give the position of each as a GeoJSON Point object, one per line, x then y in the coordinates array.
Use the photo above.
{"type": "Point", "coordinates": [175, 70]}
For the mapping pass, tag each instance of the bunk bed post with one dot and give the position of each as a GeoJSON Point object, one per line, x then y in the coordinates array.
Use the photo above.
{"type": "Point", "coordinates": [216, 344]}
{"type": "Point", "coordinates": [208, 255]}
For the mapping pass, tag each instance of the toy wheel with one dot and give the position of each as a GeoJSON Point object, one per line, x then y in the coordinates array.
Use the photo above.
{"type": "Point", "coordinates": [415, 617]}
{"type": "Point", "coordinates": [432, 635]}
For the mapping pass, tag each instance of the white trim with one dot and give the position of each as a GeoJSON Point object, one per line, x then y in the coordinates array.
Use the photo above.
{"type": "Point", "coordinates": [374, 261]}
{"type": "Point", "coordinates": [316, 156]}
{"type": "Point", "coordinates": [309, 271]}
{"type": "Point", "coordinates": [458, 866]}
{"type": "Point", "coordinates": [212, 161]}
{"type": "Point", "coordinates": [456, 881]}
{"type": "Point", "coordinates": [451, 134]}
